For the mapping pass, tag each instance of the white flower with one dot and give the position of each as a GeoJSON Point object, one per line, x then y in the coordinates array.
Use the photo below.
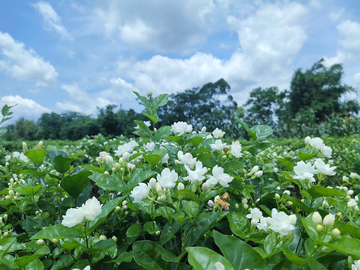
{"type": "Point", "coordinates": [167, 178]}
{"type": "Point", "coordinates": [321, 167]}
{"type": "Point", "coordinates": [281, 222]}
{"type": "Point", "coordinates": [147, 123]}
{"type": "Point", "coordinates": [218, 176]}
{"type": "Point", "coordinates": [264, 224]}
{"type": "Point", "coordinates": [317, 143]}
{"type": "Point", "coordinates": [327, 151]}
{"type": "Point", "coordinates": [255, 214]}
{"type": "Point", "coordinates": [218, 145]}
{"type": "Point", "coordinates": [86, 268]}
{"type": "Point", "coordinates": [180, 128]}
{"type": "Point", "coordinates": [217, 133]}
{"type": "Point", "coordinates": [186, 159]}
{"type": "Point", "coordinates": [197, 175]}
{"type": "Point", "coordinates": [308, 140]}
{"type": "Point", "coordinates": [150, 146]}
{"type": "Point", "coordinates": [73, 217]}
{"type": "Point", "coordinates": [316, 218]}
{"type": "Point", "coordinates": [91, 208]}
{"type": "Point", "coordinates": [356, 265]}
{"type": "Point", "coordinates": [354, 175]}
{"type": "Point", "coordinates": [329, 220]}
{"type": "Point", "coordinates": [127, 147]}
{"type": "Point", "coordinates": [165, 159]}
{"type": "Point", "coordinates": [235, 149]}
{"type": "Point", "coordinates": [304, 171]}
{"type": "Point", "coordinates": [140, 192]}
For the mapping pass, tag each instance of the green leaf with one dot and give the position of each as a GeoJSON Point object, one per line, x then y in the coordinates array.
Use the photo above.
{"type": "Point", "coordinates": [233, 165]}
{"type": "Point", "coordinates": [105, 211]}
{"type": "Point", "coordinates": [262, 132]}
{"type": "Point", "coordinates": [133, 230]}
{"type": "Point", "coordinates": [5, 245]}
{"type": "Point", "coordinates": [138, 177]}
{"type": "Point", "coordinates": [155, 156]}
{"type": "Point", "coordinates": [60, 160]}
{"type": "Point", "coordinates": [58, 231]}
{"type": "Point", "coordinates": [160, 101]}
{"type": "Point", "coordinates": [144, 128]}
{"type": "Point", "coordinates": [24, 260]}
{"type": "Point", "coordinates": [143, 99]}
{"type": "Point", "coordinates": [238, 253]}
{"type": "Point", "coordinates": [108, 182]}
{"type": "Point", "coordinates": [204, 259]}
{"type": "Point", "coordinates": [187, 194]}
{"type": "Point", "coordinates": [292, 256]}
{"type": "Point", "coordinates": [310, 228]}
{"type": "Point", "coordinates": [320, 191]}
{"type": "Point", "coordinates": [343, 244]}
{"type": "Point", "coordinates": [108, 245]}
{"type": "Point", "coordinates": [315, 265]}
{"type": "Point", "coordinates": [166, 212]}
{"type": "Point", "coordinates": [195, 141]}
{"type": "Point", "coordinates": [288, 164]}
{"type": "Point", "coordinates": [35, 264]}
{"type": "Point", "coordinates": [239, 224]}
{"type": "Point", "coordinates": [28, 190]}
{"type": "Point", "coordinates": [304, 155]}
{"type": "Point", "coordinates": [151, 227]}
{"type": "Point", "coordinates": [270, 244]}
{"type": "Point", "coordinates": [145, 254]}
{"type": "Point", "coordinates": [74, 184]}
{"type": "Point", "coordinates": [176, 139]}
{"type": "Point", "coordinates": [124, 257]}
{"type": "Point", "coordinates": [191, 208]}
{"type": "Point", "coordinates": [36, 156]}
{"type": "Point", "coordinates": [64, 261]}
{"type": "Point", "coordinates": [247, 129]}
{"type": "Point", "coordinates": [163, 132]}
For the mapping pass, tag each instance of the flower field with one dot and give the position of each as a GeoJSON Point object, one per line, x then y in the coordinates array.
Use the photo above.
{"type": "Point", "coordinates": [179, 198]}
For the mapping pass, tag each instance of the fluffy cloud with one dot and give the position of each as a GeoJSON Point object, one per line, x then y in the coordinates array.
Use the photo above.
{"type": "Point", "coordinates": [24, 64]}
{"type": "Point", "coordinates": [351, 32]}
{"type": "Point", "coordinates": [160, 25]}
{"type": "Point", "coordinates": [25, 107]}
{"type": "Point", "coordinates": [334, 16]}
{"type": "Point", "coordinates": [81, 101]}
{"type": "Point", "coordinates": [51, 19]}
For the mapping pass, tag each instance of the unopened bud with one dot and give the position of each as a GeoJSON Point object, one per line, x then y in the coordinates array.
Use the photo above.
{"type": "Point", "coordinates": [180, 186]}
{"type": "Point", "coordinates": [162, 198]}
{"type": "Point", "coordinates": [11, 192]}
{"type": "Point", "coordinates": [319, 228]}
{"type": "Point", "coordinates": [245, 206]}
{"type": "Point", "coordinates": [244, 201]}
{"type": "Point", "coordinates": [126, 156]}
{"type": "Point", "coordinates": [329, 220]}
{"type": "Point", "coordinates": [152, 183]}
{"type": "Point", "coordinates": [5, 217]}
{"type": "Point", "coordinates": [102, 237]}
{"type": "Point", "coordinates": [158, 187]}
{"type": "Point", "coordinates": [203, 129]}
{"type": "Point", "coordinates": [289, 203]}
{"type": "Point", "coordinates": [316, 218]}
{"type": "Point", "coordinates": [205, 186]}
{"type": "Point", "coordinates": [307, 140]}
{"type": "Point", "coordinates": [259, 173]}
{"type": "Point", "coordinates": [41, 143]}
{"type": "Point", "coordinates": [117, 209]}
{"type": "Point", "coordinates": [114, 238]}
{"type": "Point", "coordinates": [277, 196]}
{"type": "Point", "coordinates": [335, 232]}
{"type": "Point", "coordinates": [55, 241]}
{"type": "Point", "coordinates": [237, 206]}
{"type": "Point", "coordinates": [157, 232]}
{"type": "Point", "coordinates": [40, 242]}
{"type": "Point", "coordinates": [253, 223]}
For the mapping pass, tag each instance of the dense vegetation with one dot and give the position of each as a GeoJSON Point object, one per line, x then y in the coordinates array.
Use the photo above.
{"type": "Point", "coordinates": [311, 107]}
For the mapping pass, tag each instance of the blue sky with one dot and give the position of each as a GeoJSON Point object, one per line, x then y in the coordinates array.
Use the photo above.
{"type": "Point", "coordinates": [78, 55]}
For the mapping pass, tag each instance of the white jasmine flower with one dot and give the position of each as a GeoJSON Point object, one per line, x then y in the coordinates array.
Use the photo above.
{"type": "Point", "coordinates": [354, 175]}
{"type": "Point", "coordinates": [304, 171]}
{"type": "Point", "coordinates": [264, 224]}
{"type": "Point", "coordinates": [150, 146]}
{"type": "Point", "coordinates": [317, 143]}
{"type": "Point", "coordinates": [321, 167]}
{"type": "Point", "coordinates": [327, 151]}
{"type": "Point", "coordinates": [356, 265]}
{"type": "Point", "coordinates": [281, 222]}
{"type": "Point", "coordinates": [127, 147]}
{"type": "Point", "coordinates": [308, 140]}
{"type": "Point", "coordinates": [329, 220]}
{"type": "Point", "coordinates": [217, 133]}
{"type": "Point", "coordinates": [186, 159]}
{"type": "Point", "coordinates": [147, 123]}
{"type": "Point", "coordinates": [180, 128]}
{"type": "Point", "coordinates": [91, 208]}
{"type": "Point", "coordinates": [140, 192]}
{"type": "Point", "coordinates": [167, 178]}
{"type": "Point", "coordinates": [165, 159]}
{"type": "Point", "coordinates": [197, 175]}
{"type": "Point", "coordinates": [255, 214]}
{"type": "Point", "coordinates": [73, 217]}
{"type": "Point", "coordinates": [218, 176]}
{"type": "Point", "coordinates": [218, 145]}
{"type": "Point", "coordinates": [235, 149]}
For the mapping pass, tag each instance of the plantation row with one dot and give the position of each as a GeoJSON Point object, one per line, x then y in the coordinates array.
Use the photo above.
{"type": "Point", "coordinates": [179, 198]}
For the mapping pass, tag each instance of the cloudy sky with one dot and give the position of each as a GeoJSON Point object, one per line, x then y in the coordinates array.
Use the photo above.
{"type": "Point", "coordinates": [78, 55]}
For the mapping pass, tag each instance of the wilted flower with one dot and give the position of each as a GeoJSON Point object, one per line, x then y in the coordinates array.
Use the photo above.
{"type": "Point", "coordinates": [140, 192]}
{"type": "Point", "coordinates": [217, 133]}
{"type": "Point", "coordinates": [304, 171]}
{"type": "Point", "coordinates": [321, 167]}
{"type": "Point", "coordinates": [218, 176]}
{"type": "Point", "coordinates": [180, 128]}
{"type": "Point", "coordinates": [167, 178]}
{"type": "Point", "coordinates": [197, 175]}
{"type": "Point", "coordinates": [91, 208]}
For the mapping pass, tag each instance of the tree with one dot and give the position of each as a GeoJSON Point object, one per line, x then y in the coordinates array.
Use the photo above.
{"type": "Point", "coordinates": [319, 88]}
{"type": "Point", "coordinates": [50, 125]}
{"type": "Point", "coordinates": [200, 106]}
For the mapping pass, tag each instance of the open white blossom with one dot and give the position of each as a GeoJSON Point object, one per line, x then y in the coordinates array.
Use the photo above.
{"type": "Point", "coordinates": [197, 175]}
{"type": "Point", "coordinates": [218, 145]}
{"type": "Point", "coordinates": [127, 147]}
{"type": "Point", "coordinates": [91, 208]}
{"type": "Point", "coordinates": [263, 224]}
{"type": "Point", "coordinates": [150, 146]}
{"type": "Point", "coordinates": [140, 192]}
{"type": "Point", "coordinates": [327, 151]}
{"type": "Point", "coordinates": [180, 128]}
{"type": "Point", "coordinates": [186, 159]}
{"type": "Point", "coordinates": [217, 133]}
{"type": "Point", "coordinates": [235, 149]}
{"type": "Point", "coordinates": [167, 178]}
{"type": "Point", "coordinates": [356, 265]}
{"type": "Point", "coordinates": [255, 214]}
{"type": "Point", "coordinates": [317, 143]}
{"type": "Point", "coordinates": [304, 171]}
{"type": "Point", "coordinates": [73, 217]}
{"type": "Point", "coordinates": [147, 123]}
{"type": "Point", "coordinates": [321, 167]}
{"type": "Point", "coordinates": [218, 176]}
{"type": "Point", "coordinates": [281, 222]}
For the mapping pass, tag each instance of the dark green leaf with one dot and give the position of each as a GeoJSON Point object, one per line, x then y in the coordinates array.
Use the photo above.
{"type": "Point", "coordinates": [75, 184]}
{"type": "Point", "coordinates": [204, 259]}
{"type": "Point", "coordinates": [138, 177]}
{"type": "Point", "coordinates": [36, 155]}
{"type": "Point", "coordinates": [58, 231]}
{"type": "Point", "coordinates": [145, 254]}
{"type": "Point", "coordinates": [108, 182]}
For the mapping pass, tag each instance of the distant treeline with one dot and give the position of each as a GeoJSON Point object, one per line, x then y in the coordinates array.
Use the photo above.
{"type": "Point", "coordinates": [312, 106]}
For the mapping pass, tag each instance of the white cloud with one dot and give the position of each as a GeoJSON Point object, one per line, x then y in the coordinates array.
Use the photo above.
{"type": "Point", "coordinates": [80, 101]}
{"type": "Point", "coordinates": [351, 32]}
{"type": "Point", "coordinates": [160, 25]}
{"type": "Point", "coordinates": [25, 107]}
{"type": "Point", "coordinates": [334, 16]}
{"type": "Point", "coordinates": [52, 20]}
{"type": "Point", "coordinates": [25, 64]}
